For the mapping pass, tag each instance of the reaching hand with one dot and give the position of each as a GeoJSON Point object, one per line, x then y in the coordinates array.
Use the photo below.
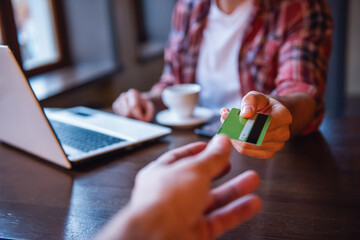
{"type": "Point", "coordinates": [172, 197]}
{"type": "Point", "coordinates": [279, 129]}
{"type": "Point", "coordinates": [132, 104]}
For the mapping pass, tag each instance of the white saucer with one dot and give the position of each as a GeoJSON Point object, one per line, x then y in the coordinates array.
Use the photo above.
{"type": "Point", "coordinates": [200, 116]}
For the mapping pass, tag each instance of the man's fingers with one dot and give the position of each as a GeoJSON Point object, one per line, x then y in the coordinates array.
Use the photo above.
{"type": "Point", "coordinates": [120, 106]}
{"type": "Point", "coordinates": [149, 109]}
{"type": "Point", "coordinates": [252, 103]}
{"type": "Point", "coordinates": [268, 146]}
{"type": "Point", "coordinates": [181, 152]}
{"type": "Point", "coordinates": [233, 189]}
{"type": "Point", "coordinates": [280, 114]}
{"type": "Point", "coordinates": [224, 112]}
{"type": "Point", "coordinates": [125, 107]}
{"type": "Point", "coordinates": [258, 153]}
{"type": "Point", "coordinates": [215, 158]}
{"type": "Point", "coordinates": [233, 214]}
{"type": "Point", "coordinates": [116, 107]}
{"type": "Point", "coordinates": [281, 134]}
{"type": "Point", "coordinates": [131, 104]}
{"type": "Point", "coordinates": [135, 104]}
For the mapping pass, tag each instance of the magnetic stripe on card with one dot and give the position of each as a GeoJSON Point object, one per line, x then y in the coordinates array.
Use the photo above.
{"type": "Point", "coordinates": [257, 128]}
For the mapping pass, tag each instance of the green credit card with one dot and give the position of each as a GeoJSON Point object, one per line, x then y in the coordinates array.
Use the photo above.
{"type": "Point", "coordinates": [250, 130]}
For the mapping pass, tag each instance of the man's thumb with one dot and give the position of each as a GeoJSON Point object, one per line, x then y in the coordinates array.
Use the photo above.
{"type": "Point", "coordinates": [252, 102]}
{"type": "Point", "coordinates": [215, 158]}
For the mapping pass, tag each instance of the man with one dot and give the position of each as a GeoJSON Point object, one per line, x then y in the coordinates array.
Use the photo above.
{"type": "Point", "coordinates": [172, 197]}
{"type": "Point", "coordinates": [265, 56]}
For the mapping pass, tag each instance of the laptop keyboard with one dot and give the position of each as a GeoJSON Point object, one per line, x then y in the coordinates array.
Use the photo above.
{"type": "Point", "coordinates": [81, 138]}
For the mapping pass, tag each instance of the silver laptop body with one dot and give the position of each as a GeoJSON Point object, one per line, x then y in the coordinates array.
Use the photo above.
{"type": "Point", "coordinates": [27, 126]}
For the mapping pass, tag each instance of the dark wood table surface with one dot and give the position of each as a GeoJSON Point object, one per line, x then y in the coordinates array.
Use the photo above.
{"type": "Point", "coordinates": [311, 189]}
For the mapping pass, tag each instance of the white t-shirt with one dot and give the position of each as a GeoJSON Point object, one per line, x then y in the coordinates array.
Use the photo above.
{"type": "Point", "coordinates": [217, 68]}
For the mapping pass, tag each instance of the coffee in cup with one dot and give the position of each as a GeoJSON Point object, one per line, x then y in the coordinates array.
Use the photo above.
{"type": "Point", "coordinates": [181, 99]}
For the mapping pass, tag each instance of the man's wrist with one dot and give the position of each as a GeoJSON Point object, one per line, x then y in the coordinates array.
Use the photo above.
{"type": "Point", "coordinates": [302, 109]}
{"type": "Point", "coordinates": [136, 223]}
{"type": "Point", "coordinates": [121, 226]}
{"type": "Point", "coordinates": [124, 225]}
{"type": "Point", "coordinates": [152, 95]}
{"type": "Point", "coordinates": [285, 102]}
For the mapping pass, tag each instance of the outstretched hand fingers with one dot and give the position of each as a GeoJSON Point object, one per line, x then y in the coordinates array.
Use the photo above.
{"type": "Point", "coordinates": [181, 152]}
{"type": "Point", "coordinates": [208, 159]}
{"type": "Point", "coordinates": [243, 184]}
{"type": "Point", "coordinates": [229, 216]}
{"type": "Point", "coordinates": [215, 158]}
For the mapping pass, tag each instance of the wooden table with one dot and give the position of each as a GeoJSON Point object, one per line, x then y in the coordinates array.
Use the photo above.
{"type": "Point", "coordinates": [311, 189]}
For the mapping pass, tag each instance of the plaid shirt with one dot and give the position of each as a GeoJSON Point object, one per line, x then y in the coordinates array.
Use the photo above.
{"type": "Point", "coordinates": [285, 48]}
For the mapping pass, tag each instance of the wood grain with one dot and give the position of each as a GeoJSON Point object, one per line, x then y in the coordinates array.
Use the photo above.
{"type": "Point", "coordinates": [311, 189]}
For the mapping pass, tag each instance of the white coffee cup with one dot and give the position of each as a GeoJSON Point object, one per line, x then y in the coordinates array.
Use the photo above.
{"type": "Point", "coordinates": [181, 99]}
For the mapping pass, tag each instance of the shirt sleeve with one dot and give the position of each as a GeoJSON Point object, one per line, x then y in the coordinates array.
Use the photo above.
{"type": "Point", "coordinates": [172, 65]}
{"type": "Point", "coordinates": [304, 55]}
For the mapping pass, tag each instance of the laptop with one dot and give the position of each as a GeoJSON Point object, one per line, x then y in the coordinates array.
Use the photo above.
{"type": "Point", "coordinates": [64, 137]}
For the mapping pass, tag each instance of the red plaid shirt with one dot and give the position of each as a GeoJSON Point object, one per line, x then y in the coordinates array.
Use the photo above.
{"type": "Point", "coordinates": [285, 48]}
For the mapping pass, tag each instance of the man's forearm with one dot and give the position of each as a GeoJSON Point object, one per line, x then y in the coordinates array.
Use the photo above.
{"type": "Point", "coordinates": [302, 108]}
{"type": "Point", "coordinates": [135, 224]}
{"type": "Point", "coordinates": [122, 226]}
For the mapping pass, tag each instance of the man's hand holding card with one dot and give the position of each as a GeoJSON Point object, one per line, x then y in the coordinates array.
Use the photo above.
{"type": "Point", "coordinates": [264, 125]}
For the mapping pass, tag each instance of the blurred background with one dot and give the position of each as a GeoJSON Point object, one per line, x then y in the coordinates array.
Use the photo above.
{"type": "Point", "coordinates": [85, 52]}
